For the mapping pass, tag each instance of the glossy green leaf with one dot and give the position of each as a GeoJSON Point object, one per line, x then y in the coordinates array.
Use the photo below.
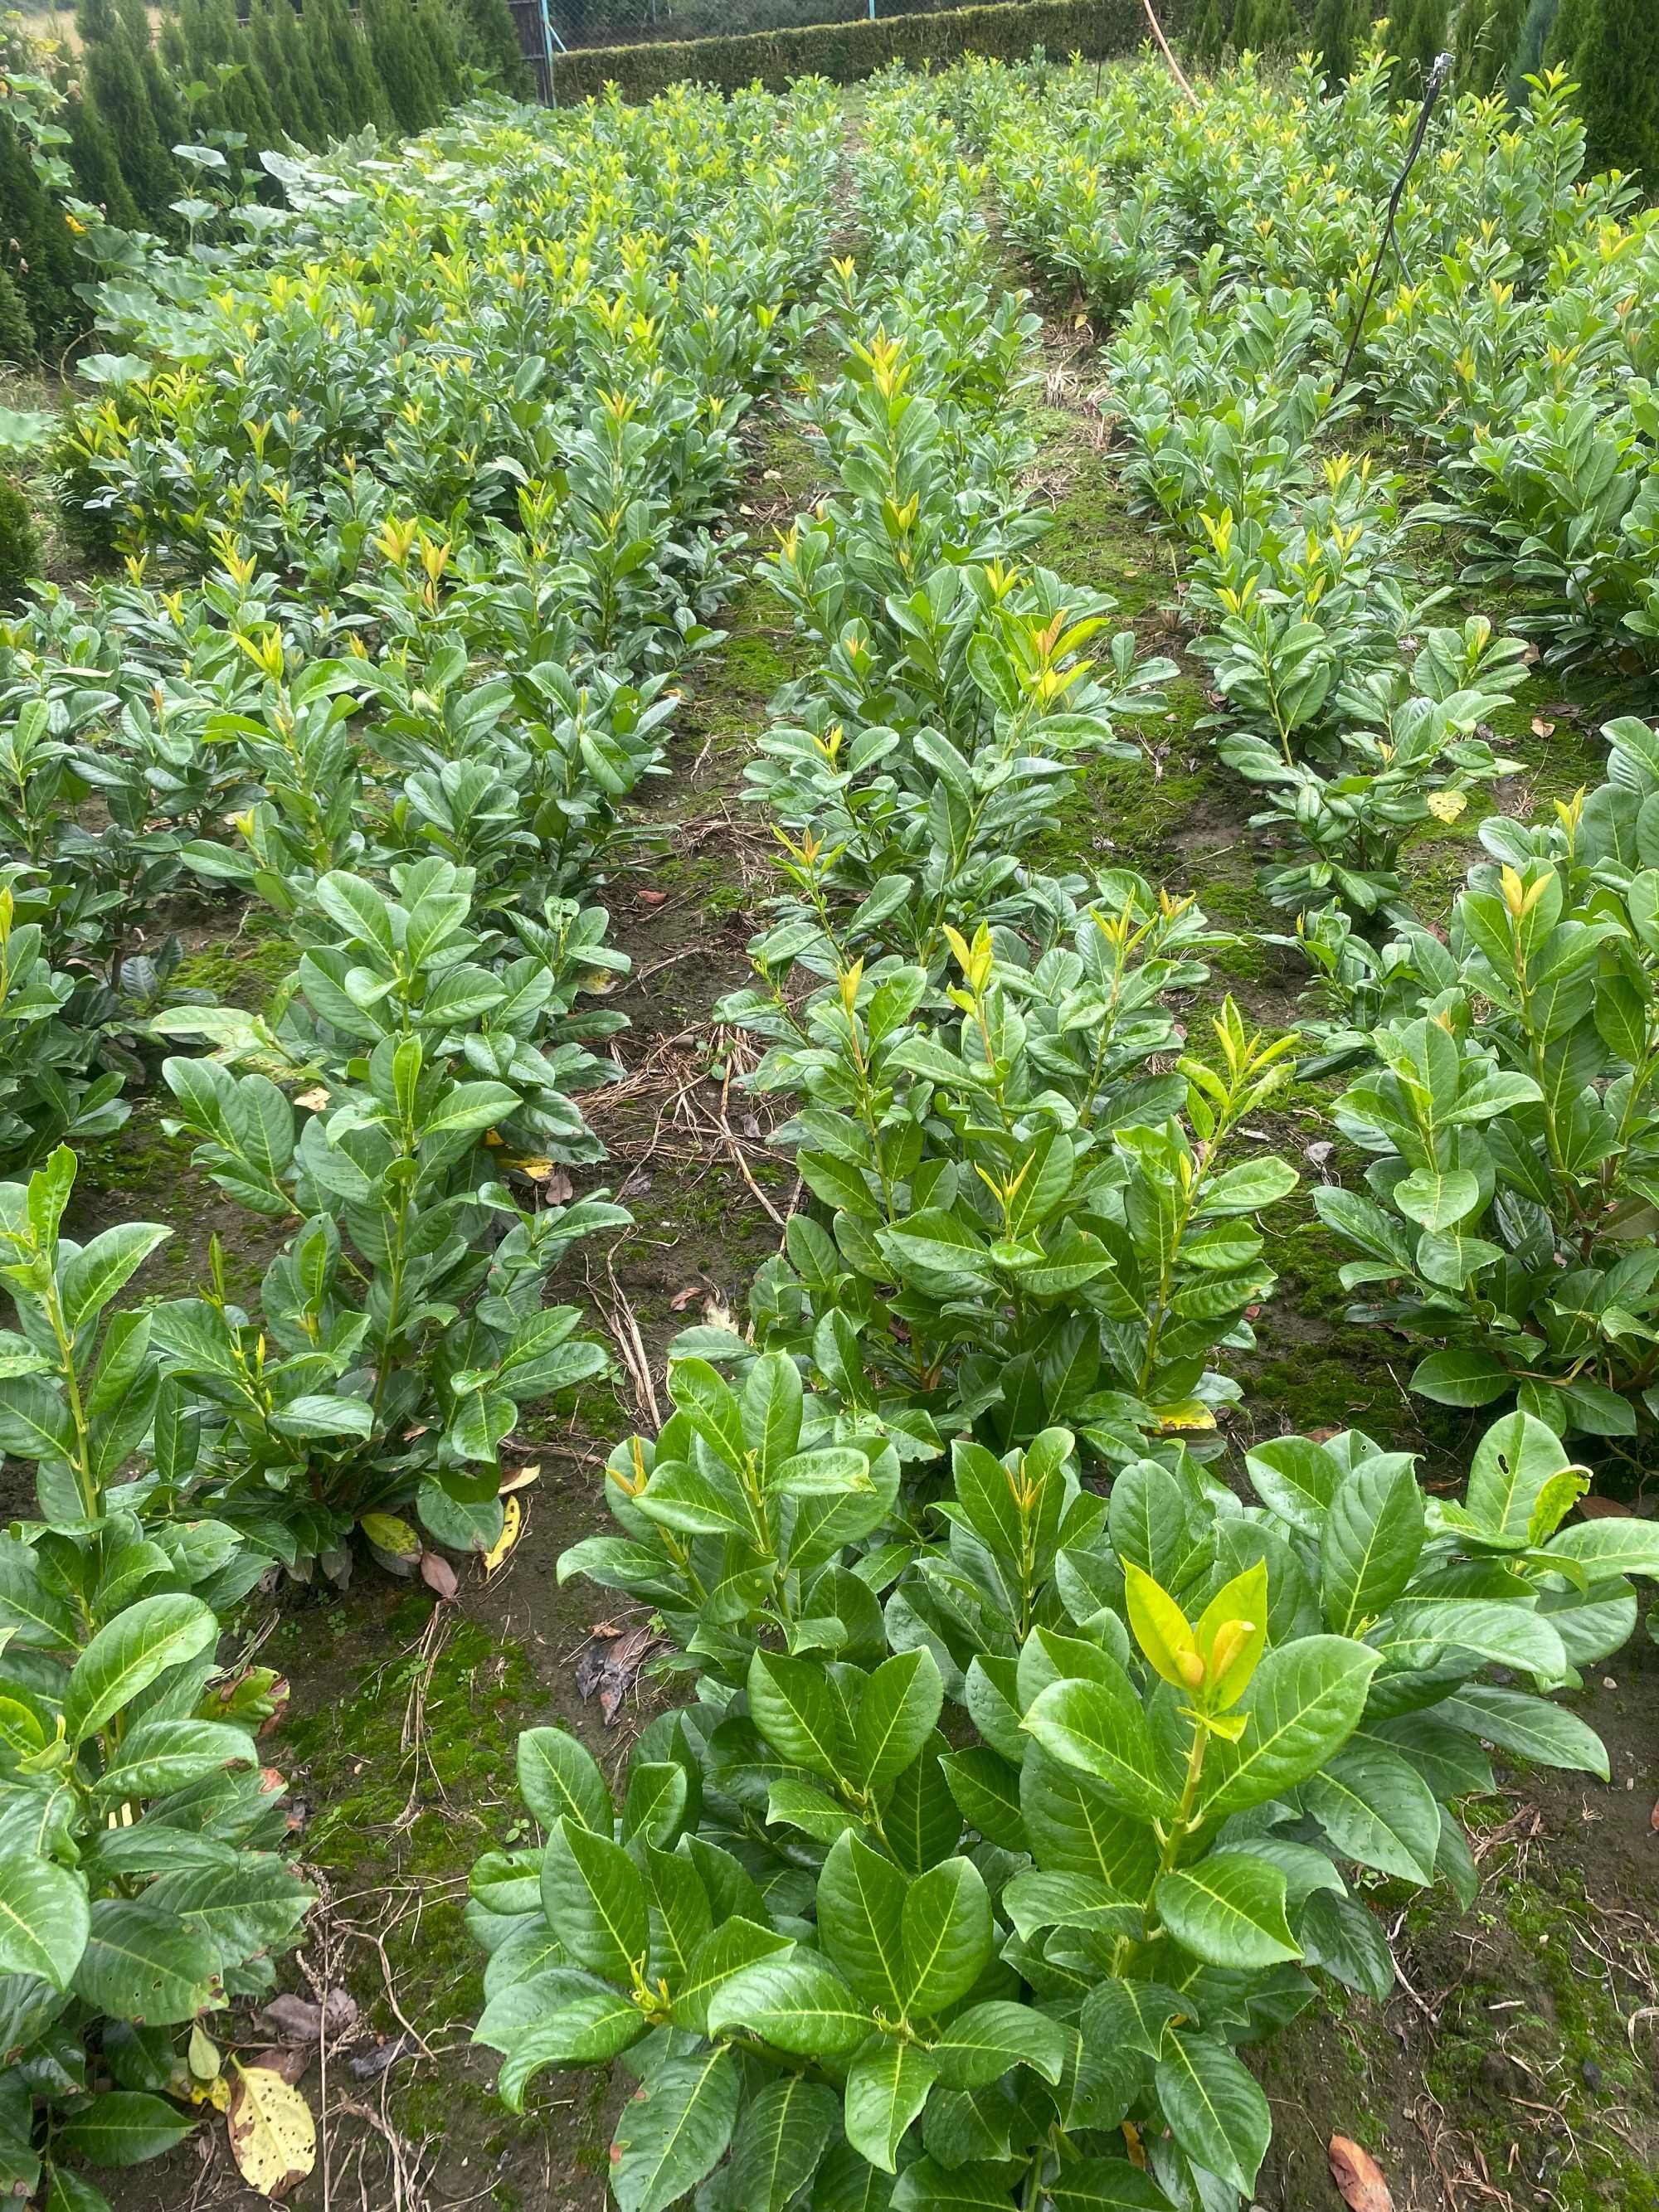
{"type": "Point", "coordinates": [595, 1899]}
{"type": "Point", "coordinates": [781, 2140]}
{"type": "Point", "coordinates": [898, 1713]}
{"type": "Point", "coordinates": [1215, 2110]}
{"type": "Point", "coordinates": [887, 2086]}
{"type": "Point", "coordinates": [947, 1935]}
{"type": "Point", "coordinates": [1228, 1910]}
{"type": "Point", "coordinates": [128, 1654]}
{"type": "Point", "coordinates": [673, 2129]}
{"type": "Point", "coordinates": [796, 2003]}
{"type": "Point", "coordinates": [44, 1917]}
{"type": "Point", "coordinates": [560, 1779]}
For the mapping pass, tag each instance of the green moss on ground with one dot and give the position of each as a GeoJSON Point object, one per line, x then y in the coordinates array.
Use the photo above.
{"type": "Point", "coordinates": [409, 1764]}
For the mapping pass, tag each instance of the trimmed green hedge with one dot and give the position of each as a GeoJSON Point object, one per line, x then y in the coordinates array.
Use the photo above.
{"type": "Point", "coordinates": [845, 52]}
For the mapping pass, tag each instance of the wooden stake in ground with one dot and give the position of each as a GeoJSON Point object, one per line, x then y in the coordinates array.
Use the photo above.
{"type": "Point", "coordinates": [1175, 66]}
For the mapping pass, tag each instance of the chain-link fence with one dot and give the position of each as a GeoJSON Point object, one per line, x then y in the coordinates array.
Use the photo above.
{"type": "Point", "coordinates": [561, 25]}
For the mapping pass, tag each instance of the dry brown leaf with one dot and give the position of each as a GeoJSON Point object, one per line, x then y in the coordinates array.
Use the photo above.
{"type": "Point", "coordinates": [651, 898]}
{"type": "Point", "coordinates": [1359, 2177]}
{"type": "Point", "coordinates": [300, 2020]}
{"type": "Point", "coordinates": [556, 1185]}
{"type": "Point", "coordinates": [1604, 1509]}
{"type": "Point", "coordinates": [287, 2060]}
{"type": "Point", "coordinates": [1542, 727]}
{"type": "Point", "coordinates": [689, 1296]}
{"type": "Point", "coordinates": [439, 1576]}
{"type": "Point", "coordinates": [313, 1101]}
{"type": "Point", "coordinates": [273, 2138]}
{"type": "Point", "coordinates": [521, 1477]}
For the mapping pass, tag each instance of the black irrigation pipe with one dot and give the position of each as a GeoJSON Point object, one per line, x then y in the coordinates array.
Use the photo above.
{"type": "Point", "coordinates": [1431, 91]}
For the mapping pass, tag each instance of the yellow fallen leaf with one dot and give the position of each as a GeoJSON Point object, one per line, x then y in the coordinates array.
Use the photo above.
{"type": "Point", "coordinates": [512, 1524]}
{"type": "Point", "coordinates": [273, 2138]}
{"type": "Point", "coordinates": [521, 1477]}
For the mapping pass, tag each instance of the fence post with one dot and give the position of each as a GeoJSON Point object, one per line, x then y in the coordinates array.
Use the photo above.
{"type": "Point", "coordinates": [550, 40]}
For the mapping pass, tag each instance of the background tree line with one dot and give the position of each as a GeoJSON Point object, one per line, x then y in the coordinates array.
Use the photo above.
{"type": "Point", "coordinates": [1611, 47]}
{"type": "Point", "coordinates": [136, 85]}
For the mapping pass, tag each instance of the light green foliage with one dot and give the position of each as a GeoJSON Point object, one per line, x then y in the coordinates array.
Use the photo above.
{"type": "Point", "coordinates": [140, 1886]}
{"type": "Point", "coordinates": [1086, 1896]}
{"type": "Point", "coordinates": [398, 692]}
{"type": "Point", "coordinates": [1007, 1810]}
{"type": "Point", "coordinates": [1512, 1207]}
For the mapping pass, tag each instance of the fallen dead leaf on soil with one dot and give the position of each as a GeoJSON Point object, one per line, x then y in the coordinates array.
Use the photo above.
{"type": "Point", "coordinates": [300, 2020]}
{"type": "Point", "coordinates": [290, 2060]}
{"type": "Point", "coordinates": [610, 1664]}
{"type": "Point", "coordinates": [369, 2065]}
{"type": "Point", "coordinates": [1604, 1509]}
{"type": "Point", "coordinates": [512, 1528]}
{"type": "Point", "coordinates": [439, 1576]}
{"type": "Point", "coordinates": [273, 2138]}
{"type": "Point", "coordinates": [1541, 727]}
{"type": "Point", "coordinates": [555, 1185]}
{"type": "Point", "coordinates": [1359, 2177]}
{"type": "Point", "coordinates": [689, 1296]}
{"type": "Point", "coordinates": [651, 898]}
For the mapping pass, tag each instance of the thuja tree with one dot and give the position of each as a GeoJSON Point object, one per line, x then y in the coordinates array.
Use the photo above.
{"type": "Point", "coordinates": [489, 43]}
{"type": "Point", "coordinates": [36, 250]}
{"type": "Point", "coordinates": [1484, 36]}
{"type": "Point", "coordinates": [1418, 31]}
{"type": "Point", "coordinates": [351, 93]}
{"type": "Point", "coordinates": [1339, 25]}
{"type": "Point", "coordinates": [115, 75]}
{"type": "Point", "coordinates": [1612, 49]}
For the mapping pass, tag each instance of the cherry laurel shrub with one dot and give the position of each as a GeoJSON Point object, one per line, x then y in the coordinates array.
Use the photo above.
{"type": "Point", "coordinates": [988, 1921]}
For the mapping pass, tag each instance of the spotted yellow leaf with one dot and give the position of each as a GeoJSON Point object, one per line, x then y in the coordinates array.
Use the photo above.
{"type": "Point", "coordinates": [273, 2138]}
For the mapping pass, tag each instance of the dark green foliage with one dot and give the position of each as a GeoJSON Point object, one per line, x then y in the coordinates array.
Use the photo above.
{"type": "Point", "coordinates": [846, 53]}
{"type": "Point", "coordinates": [16, 331]}
{"type": "Point", "coordinates": [1263, 26]}
{"type": "Point", "coordinates": [1564, 33]}
{"type": "Point", "coordinates": [36, 250]}
{"type": "Point", "coordinates": [436, 29]}
{"type": "Point", "coordinates": [115, 74]}
{"type": "Point", "coordinates": [220, 56]}
{"type": "Point", "coordinates": [1536, 27]}
{"type": "Point", "coordinates": [1418, 31]}
{"type": "Point", "coordinates": [490, 44]}
{"type": "Point", "coordinates": [19, 543]}
{"type": "Point", "coordinates": [1484, 36]}
{"type": "Point", "coordinates": [278, 49]}
{"type": "Point", "coordinates": [1208, 41]}
{"type": "Point", "coordinates": [171, 117]}
{"type": "Point", "coordinates": [352, 94]}
{"type": "Point", "coordinates": [411, 73]}
{"type": "Point", "coordinates": [92, 156]}
{"type": "Point", "coordinates": [1338, 28]}
{"type": "Point", "coordinates": [1612, 48]}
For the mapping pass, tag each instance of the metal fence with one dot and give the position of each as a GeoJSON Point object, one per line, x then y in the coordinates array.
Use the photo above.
{"type": "Point", "coordinates": [547, 27]}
